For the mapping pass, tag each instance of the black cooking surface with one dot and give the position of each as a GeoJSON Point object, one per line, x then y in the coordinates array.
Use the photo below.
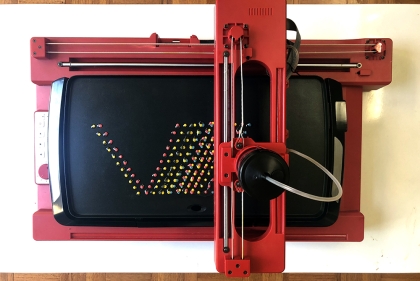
{"type": "Point", "coordinates": [141, 148]}
{"type": "Point", "coordinates": [139, 115]}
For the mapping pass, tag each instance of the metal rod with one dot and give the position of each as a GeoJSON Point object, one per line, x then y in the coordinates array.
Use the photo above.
{"type": "Point", "coordinates": [131, 64]}
{"type": "Point", "coordinates": [232, 134]}
{"type": "Point", "coordinates": [242, 212]}
{"type": "Point", "coordinates": [153, 53]}
{"type": "Point", "coordinates": [241, 136]}
{"type": "Point", "coordinates": [192, 53]}
{"type": "Point", "coordinates": [225, 139]}
{"type": "Point", "coordinates": [133, 43]}
{"type": "Point", "coordinates": [338, 52]}
{"type": "Point", "coordinates": [331, 65]}
{"type": "Point", "coordinates": [182, 44]}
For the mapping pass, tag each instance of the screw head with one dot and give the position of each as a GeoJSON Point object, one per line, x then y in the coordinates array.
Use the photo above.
{"type": "Point", "coordinates": [226, 26]}
{"type": "Point", "coordinates": [34, 53]}
{"type": "Point", "coordinates": [239, 145]}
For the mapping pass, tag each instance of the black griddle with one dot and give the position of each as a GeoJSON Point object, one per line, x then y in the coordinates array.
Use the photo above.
{"type": "Point", "coordinates": [109, 124]}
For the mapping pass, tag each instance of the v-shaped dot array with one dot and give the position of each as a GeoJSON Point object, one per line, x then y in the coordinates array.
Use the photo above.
{"type": "Point", "coordinates": [186, 165]}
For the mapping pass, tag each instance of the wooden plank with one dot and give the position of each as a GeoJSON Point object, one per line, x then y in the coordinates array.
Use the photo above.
{"type": "Point", "coordinates": [41, 1]}
{"type": "Point", "coordinates": [134, 1]}
{"type": "Point", "coordinates": [400, 277]}
{"type": "Point", "coordinates": [40, 277]}
{"type": "Point", "coordinates": [171, 277]}
{"type": "Point", "coordinates": [191, 1]}
{"type": "Point", "coordinates": [321, 2]}
{"type": "Point", "coordinates": [6, 276]}
{"type": "Point", "coordinates": [306, 276]}
{"type": "Point", "coordinates": [87, 1]}
{"type": "Point", "coordinates": [213, 277]}
{"type": "Point", "coordinates": [77, 277]}
{"type": "Point", "coordinates": [128, 276]}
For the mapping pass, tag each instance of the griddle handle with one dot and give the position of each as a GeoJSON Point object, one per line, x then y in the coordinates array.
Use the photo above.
{"type": "Point", "coordinates": [54, 137]}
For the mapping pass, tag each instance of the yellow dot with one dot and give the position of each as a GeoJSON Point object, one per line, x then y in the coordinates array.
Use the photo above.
{"type": "Point", "coordinates": [113, 156]}
{"type": "Point", "coordinates": [126, 175]}
{"type": "Point", "coordinates": [161, 174]}
{"type": "Point", "coordinates": [134, 187]}
{"type": "Point", "coordinates": [158, 181]}
{"type": "Point", "coordinates": [130, 181]}
{"type": "Point", "coordinates": [185, 125]}
{"type": "Point", "coordinates": [138, 193]}
{"type": "Point", "coordinates": [93, 126]}
{"type": "Point", "coordinates": [198, 192]}
{"type": "Point", "coordinates": [174, 148]}
{"type": "Point", "coordinates": [104, 142]}
{"type": "Point", "coordinates": [153, 193]}
{"type": "Point", "coordinates": [164, 168]}
{"type": "Point", "coordinates": [118, 163]}
{"type": "Point", "coordinates": [98, 134]}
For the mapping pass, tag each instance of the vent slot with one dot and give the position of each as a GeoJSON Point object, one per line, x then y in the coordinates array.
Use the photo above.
{"type": "Point", "coordinates": [260, 11]}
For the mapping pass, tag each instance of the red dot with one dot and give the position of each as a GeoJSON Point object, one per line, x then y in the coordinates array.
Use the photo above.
{"type": "Point", "coordinates": [133, 175]}
{"type": "Point", "coordinates": [99, 125]}
{"type": "Point", "coordinates": [149, 186]}
{"type": "Point", "coordinates": [110, 142]}
{"type": "Point", "coordinates": [142, 186]}
{"type": "Point", "coordinates": [137, 181]}
{"type": "Point", "coordinates": [120, 156]}
{"type": "Point", "coordinates": [125, 162]}
{"type": "Point", "coordinates": [105, 134]}
{"type": "Point", "coordinates": [115, 149]}
{"type": "Point", "coordinates": [161, 161]}
{"type": "Point", "coordinates": [128, 169]}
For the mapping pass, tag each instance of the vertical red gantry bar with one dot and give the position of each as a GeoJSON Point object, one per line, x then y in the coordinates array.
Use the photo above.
{"type": "Point", "coordinates": [260, 27]}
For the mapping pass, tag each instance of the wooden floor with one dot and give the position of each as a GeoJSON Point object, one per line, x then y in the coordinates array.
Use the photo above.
{"type": "Point", "coordinates": [204, 276]}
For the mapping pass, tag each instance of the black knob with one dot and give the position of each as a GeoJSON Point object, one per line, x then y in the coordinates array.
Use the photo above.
{"type": "Point", "coordinates": [254, 166]}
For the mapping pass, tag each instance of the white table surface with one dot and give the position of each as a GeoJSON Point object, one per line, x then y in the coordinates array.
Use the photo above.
{"type": "Point", "coordinates": [391, 141]}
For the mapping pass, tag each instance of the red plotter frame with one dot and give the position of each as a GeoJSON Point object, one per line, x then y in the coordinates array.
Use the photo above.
{"type": "Point", "coordinates": [263, 25]}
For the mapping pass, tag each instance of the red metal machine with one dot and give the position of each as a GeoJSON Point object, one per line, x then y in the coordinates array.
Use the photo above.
{"type": "Point", "coordinates": [250, 35]}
